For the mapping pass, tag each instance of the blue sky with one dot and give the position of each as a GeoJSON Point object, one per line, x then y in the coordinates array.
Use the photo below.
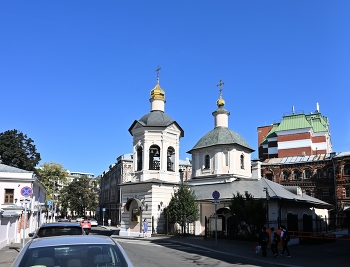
{"type": "Point", "coordinates": [74, 75]}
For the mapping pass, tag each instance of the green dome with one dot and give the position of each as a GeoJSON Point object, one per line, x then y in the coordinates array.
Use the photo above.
{"type": "Point", "coordinates": [221, 136]}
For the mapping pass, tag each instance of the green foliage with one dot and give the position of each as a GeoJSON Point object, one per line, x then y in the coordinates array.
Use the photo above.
{"type": "Point", "coordinates": [248, 214]}
{"type": "Point", "coordinates": [183, 207]}
{"type": "Point", "coordinates": [53, 176]}
{"type": "Point", "coordinates": [81, 195]}
{"type": "Point", "coordinates": [17, 150]}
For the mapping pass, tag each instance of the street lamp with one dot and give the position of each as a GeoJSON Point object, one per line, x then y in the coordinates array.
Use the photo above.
{"type": "Point", "coordinates": [332, 155]}
{"type": "Point", "coordinates": [266, 190]}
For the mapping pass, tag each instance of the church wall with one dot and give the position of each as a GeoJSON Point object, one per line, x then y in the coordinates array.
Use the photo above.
{"type": "Point", "coordinates": [246, 171]}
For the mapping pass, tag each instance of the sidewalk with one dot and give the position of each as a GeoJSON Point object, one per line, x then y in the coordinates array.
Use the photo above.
{"type": "Point", "coordinates": [330, 253]}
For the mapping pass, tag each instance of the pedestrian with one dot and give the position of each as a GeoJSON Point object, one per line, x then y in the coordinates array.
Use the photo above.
{"type": "Point", "coordinates": [109, 222]}
{"type": "Point", "coordinates": [274, 240]}
{"type": "Point", "coordinates": [285, 239]}
{"type": "Point", "coordinates": [144, 227]}
{"type": "Point", "coordinates": [263, 240]}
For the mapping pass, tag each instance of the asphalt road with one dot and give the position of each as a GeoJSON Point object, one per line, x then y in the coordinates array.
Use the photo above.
{"type": "Point", "coordinates": [149, 253]}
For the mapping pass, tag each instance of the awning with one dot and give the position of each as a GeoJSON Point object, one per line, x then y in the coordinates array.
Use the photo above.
{"type": "Point", "coordinates": [8, 214]}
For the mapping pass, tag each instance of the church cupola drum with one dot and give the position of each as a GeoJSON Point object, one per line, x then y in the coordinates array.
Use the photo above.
{"type": "Point", "coordinates": [221, 151]}
{"type": "Point", "coordinates": [156, 142]}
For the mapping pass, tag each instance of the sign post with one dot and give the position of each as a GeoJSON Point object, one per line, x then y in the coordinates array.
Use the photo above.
{"type": "Point", "coordinates": [103, 216]}
{"type": "Point", "coordinates": [25, 192]}
{"type": "Point", "coordinates": [216, 196]}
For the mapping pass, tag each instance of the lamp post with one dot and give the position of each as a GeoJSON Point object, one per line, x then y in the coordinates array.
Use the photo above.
{"type": "Point", "coordinates": [24, 202]}
{"type": "Point", "coordinates": [332, 155]}
{"type": "Point", "coordinates": [266, 190]}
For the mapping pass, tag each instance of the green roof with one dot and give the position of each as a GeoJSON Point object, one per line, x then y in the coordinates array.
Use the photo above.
{"type": "Point", "coordinates": [292, 122]}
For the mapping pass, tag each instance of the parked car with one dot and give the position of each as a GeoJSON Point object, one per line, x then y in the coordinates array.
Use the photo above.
{"type": "Point", "coordinates": [79, 219]}
{"type": "Point", "coordinates": [72, 251]}
{"type": "Point", "coordinates": [86, 226]}
{"type": "Point", "coordinates": [93, 222]}
{"type": "Point", "coordinates": [57, 229]}
{"type": "Point", "coordinates": [62, 220]}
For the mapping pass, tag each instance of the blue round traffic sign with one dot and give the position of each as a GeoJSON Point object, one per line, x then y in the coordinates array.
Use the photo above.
{"type": "Point", "coordinates": [216, 194]}
{"type": "Point", "coordinates": [26, 191]}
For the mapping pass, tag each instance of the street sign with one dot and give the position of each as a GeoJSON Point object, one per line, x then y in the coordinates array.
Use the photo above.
{"type": "Point", "coordinates": [216, 194]}
{"type": "Point", "coordinates": [215, 202]}
{"type": "Point", "coordinates": [26, 191]}
{"type": "Point", "coordinates": [49, 202]}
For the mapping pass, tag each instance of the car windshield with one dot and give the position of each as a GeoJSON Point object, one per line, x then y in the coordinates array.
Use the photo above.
{"type": "Point", "coordinates": [59, 230]}
{"type": "Point", "coordinates": [74, 255]}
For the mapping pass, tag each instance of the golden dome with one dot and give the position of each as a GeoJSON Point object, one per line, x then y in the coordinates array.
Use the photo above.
{"type": "Point", "coordinates": [157, 92]}
{"type": "Point", "coordinates": [220, 102]}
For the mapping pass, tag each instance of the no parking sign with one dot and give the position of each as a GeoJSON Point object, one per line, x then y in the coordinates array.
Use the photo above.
{"type": "Point", "coordinates": [26, 191]}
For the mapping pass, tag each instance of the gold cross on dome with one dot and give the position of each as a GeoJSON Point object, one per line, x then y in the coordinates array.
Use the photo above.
{"type": "Point", "coordinates": [158, 72]}
{"type": "Point", "coordinates": [220, 84]}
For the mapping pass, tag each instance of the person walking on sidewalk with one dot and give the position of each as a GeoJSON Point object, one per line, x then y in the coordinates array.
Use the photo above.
{"type": "Point", "coordinates": [263, 240]}
{"type": "Point", "coordinates": [285, 239]}
{"type": "Point", "coordinates": [274, 240]}
{"type": "Point", "coordinates": [144, 227]}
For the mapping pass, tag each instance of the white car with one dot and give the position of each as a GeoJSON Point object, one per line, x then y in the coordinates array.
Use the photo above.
{"type": "Point", "coordinates": [93, 222]}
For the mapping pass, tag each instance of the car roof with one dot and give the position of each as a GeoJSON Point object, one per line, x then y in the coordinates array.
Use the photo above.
{"type": "Point", "coordinates": [60, 224]}
{"type": "Point", "coordinates": [71, 240]}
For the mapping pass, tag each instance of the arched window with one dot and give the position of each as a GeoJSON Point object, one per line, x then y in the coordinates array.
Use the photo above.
{"type": "Point", "coordinates": [207, 162]}
{"type": "Point", "coordinates": [225, 155]}
{"type": "Point", "coordinates": [170, 158]}
{"type": "Point", "coordinates": [307, 173]}
{"type": "Point", "coordinates": [242, 161]}
{"type": "Point", "coordinates": [330, 173]}
{"type": "Point", "coordinates": [139, 158]}
{"type": "Point", "coordinates": [347, 169]}
{"type": "Point", "coordinates": [154, 157]}
{"type": "Point", "coordinates": [319, 173]}
{"type": "Point", "coordinates": [296, 174]}
{"type": "Point", "coordinates": [286, 175]}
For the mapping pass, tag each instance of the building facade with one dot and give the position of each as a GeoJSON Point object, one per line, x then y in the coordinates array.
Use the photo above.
{"type": "Point", "coordinates": [21, 211]}
{"type": "Point", "coordinates": [298, 134]}
{"type": "Point", "coordinates": [324, 176]}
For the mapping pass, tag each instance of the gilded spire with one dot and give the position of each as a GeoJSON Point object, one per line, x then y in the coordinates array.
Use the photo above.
{"type": "Point", "coordinates": [157, 92]}
{"type": "Point", "coordinates": [220, 102]}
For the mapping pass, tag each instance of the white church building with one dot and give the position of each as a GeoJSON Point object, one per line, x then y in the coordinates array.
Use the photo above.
{"type": "Point", "coordinates": [221, 161]}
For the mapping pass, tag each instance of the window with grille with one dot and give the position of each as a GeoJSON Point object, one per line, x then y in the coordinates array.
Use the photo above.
{"type": "Point", "coordinates": [286, 175]}
{"type": "Point", "coordinates": [9, 193]}
{"type": "Point", "coordinates": [330, 173]}
{"type": "Point", "coordinates": [206, 162]}
{"type": "Point", "coordinates": [242, 161]}
{"type": "Point", "coordinates": [307, 174]}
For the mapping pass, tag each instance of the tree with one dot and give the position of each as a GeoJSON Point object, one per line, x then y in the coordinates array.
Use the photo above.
{"type": "Point", "coordinates": [81, 195]}
{"type": "Point", "coordinates": [53, 176]}
{"type": "Point", "coordinates": [183, 208]}
{"type": "Point", "coordinates": [17, 150]}
{"type": "Point", "coordinates": [248, 214]}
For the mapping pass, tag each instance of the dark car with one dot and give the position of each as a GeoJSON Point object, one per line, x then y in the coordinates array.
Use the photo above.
{"type": "Point", "coordinates": [72, 251]}
{"type": "Point", "coordinates": [57, 229]}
